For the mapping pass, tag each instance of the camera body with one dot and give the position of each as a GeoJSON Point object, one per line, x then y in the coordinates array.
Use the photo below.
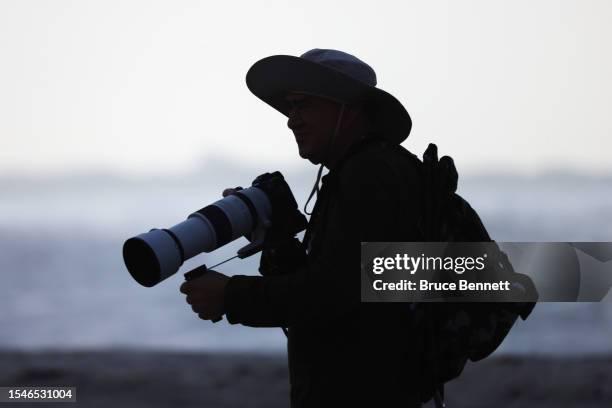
{"type": "Point", "coordinates": [264, 210]}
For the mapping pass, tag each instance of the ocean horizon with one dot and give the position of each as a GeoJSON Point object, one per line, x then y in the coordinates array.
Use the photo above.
{"type": "Point", "coordinates": [64, 285]}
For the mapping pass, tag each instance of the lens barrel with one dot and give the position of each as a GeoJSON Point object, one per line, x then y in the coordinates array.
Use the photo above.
{"type": "Point", "coordinates": [154, 256]}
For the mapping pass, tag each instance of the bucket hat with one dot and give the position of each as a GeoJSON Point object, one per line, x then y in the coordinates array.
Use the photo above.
{"type": "Point", "coordinates": [332, 74]}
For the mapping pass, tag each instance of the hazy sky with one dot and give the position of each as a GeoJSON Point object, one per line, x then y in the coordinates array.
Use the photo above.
{"type": "Point", "coordinates": [141, 86]}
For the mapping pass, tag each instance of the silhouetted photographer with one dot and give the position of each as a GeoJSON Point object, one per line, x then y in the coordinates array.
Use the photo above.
{"type": "Point", "coordinates": [342, 352]}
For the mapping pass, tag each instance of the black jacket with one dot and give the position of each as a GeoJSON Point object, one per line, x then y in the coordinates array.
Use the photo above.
{"type": "Point", "coordinates": [341, 351]}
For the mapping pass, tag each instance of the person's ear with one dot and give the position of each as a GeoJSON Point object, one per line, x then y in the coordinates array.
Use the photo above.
{"type": "Point", "coordinates": [355, 112]}
{"type": "Point", "coordinates": [351, 112]}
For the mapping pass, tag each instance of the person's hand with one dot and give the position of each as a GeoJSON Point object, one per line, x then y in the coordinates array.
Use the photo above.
{"type": "Point", "coordinates": [206, 294]}
{"type": "Point", "coordinates": [230, 191]}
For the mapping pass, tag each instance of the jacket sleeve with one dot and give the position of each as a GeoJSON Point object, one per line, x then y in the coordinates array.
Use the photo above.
{"type": "Point", "coordinates": [328, 286]}
{"type": "Point", "coordinates": [283, 257]}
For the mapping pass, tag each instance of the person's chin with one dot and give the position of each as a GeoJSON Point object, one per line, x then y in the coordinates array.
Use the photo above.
{"type": "Point", "coordinates": [311, 158]}
{"type": "Point", "coordinates": [304, 153]}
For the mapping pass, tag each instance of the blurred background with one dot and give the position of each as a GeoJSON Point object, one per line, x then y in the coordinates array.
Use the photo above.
{"type": "Point", "coordinates": [121, 116]}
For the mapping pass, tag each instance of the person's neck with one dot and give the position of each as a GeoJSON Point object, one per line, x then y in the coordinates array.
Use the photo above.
{"type": "Point", "coordinates": [341, 150]}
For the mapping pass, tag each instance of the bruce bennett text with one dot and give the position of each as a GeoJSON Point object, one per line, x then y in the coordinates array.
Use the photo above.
{"type": "Point", "coordinates": [425, 285]}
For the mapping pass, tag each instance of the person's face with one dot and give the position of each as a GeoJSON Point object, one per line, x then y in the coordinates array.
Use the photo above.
{"type": "Point", "coordinates": [312, 120]}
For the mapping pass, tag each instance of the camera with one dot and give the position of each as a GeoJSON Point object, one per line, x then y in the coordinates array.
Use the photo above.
{"type": "Point", "coordinates": [266, 209]}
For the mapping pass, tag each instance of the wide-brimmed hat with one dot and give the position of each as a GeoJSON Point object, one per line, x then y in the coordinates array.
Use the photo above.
{"type": "Point", "coordinates": [332, 74]}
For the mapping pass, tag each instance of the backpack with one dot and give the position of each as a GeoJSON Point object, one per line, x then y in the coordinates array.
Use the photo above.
{"type": "Point", "coordinates": [450, 334]}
